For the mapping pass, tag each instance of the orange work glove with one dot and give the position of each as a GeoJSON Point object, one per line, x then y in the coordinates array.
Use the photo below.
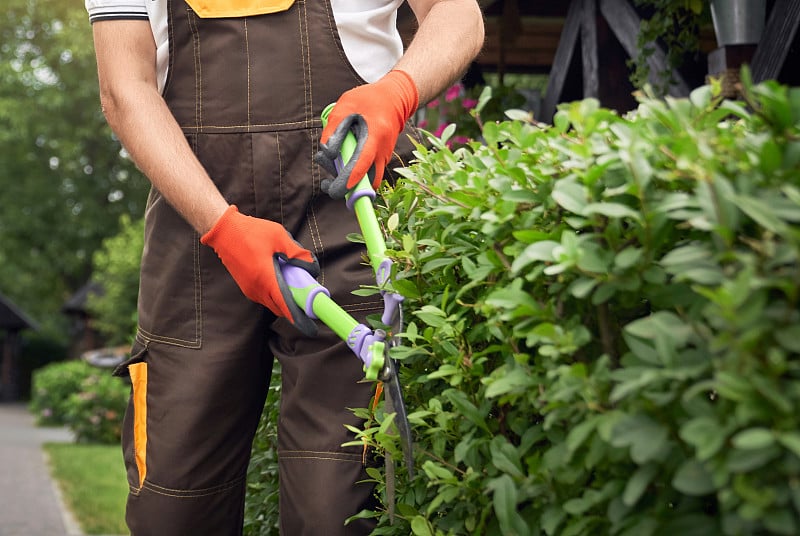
{"type": "Point", "coordinates": [376, 114]}
{"type": "Point", "coordinates": [250, 248]}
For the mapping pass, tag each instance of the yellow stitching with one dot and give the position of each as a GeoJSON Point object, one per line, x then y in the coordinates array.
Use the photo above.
{"type": "Point", "coordinates": [298, 125]}
{"type": "Point", "coordinates": [316, 239]}
{"type": "Point", "coordinates": [315, 455]}
{"type": "Point", "coordinates": [198, 107]}
{"type": "Point", "coordinates": [306, 47]}
{"type": "Point", "coordinates": [363, 306]}
{"type": "Point", "coordinates": [328, 452]}
{"type": "Point", "coordinates": [198, 292]}
{"type": "Point", "coordinates": [320, 458]}
{"type": "Point", "coordinates": [152, 337]}
{"type": "Point", "coordinates": [224, 485]}
{"type": "Point", "coordinates": [247, 54]}
{"type": "Point", "coordinates": [180, 494]}
{"type": "Point", "coordinates": [280, 174]}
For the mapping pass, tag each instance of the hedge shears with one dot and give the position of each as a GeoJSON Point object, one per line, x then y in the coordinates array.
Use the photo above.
{"type": "Point", "coordinates": [370, 346]}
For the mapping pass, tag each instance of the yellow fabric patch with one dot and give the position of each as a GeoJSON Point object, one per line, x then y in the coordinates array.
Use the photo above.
{"type": "Point", "coordinates": [138, 372]}
{"type": "Point", "coordinates": [221, 9]}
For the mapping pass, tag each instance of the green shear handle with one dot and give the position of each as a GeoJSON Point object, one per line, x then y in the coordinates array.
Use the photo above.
{"type": "Point", "coordinates": [372, 347]}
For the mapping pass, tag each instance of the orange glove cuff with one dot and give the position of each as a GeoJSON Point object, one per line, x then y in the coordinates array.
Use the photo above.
{"type": "Point", "coordinates": [406, 91]}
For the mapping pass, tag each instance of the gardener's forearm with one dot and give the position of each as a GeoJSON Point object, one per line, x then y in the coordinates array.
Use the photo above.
{"type": "Point", "coordinates": [449, 37]}
{"type": "Point", "coordinates": [140, 118]}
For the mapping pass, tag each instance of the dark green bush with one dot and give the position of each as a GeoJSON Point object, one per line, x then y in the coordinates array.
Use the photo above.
{"type": "Point", "coordinates": [88, 400]}
{"type": "Point", "coordinates": [602, 323]}
{"type": "Point", "coordinates": [261, 501]}
{"type": "Point", "coordinates": [51, 387]}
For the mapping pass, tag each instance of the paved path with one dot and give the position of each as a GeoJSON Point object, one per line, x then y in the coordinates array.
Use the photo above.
{"type": "Point", "coordinates": [30, 504]}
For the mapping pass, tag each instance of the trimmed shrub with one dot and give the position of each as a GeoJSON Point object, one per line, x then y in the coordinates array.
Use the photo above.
{"type": "Point", "coordinates": [602, 323]}
{"type": "Point", "coordinates": [52, 385]}
{"type": "Point", "coordinates": [88, 400]}
{"type": "Point", "coordinates": [261, 501]}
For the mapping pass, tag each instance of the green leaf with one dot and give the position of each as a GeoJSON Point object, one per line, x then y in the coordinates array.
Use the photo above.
{"type": "Point", "coordinates": [504, 500]}
{"type": "Point", "coordinates": [420, 526]}
{"type": "Point", "coordinates": [578, 435]}
{"type": "Point", "coordinates": [690, 255]}
{"type": "Point", "coordinates": [519, 115]}
{"type": "Point", "coordinates": [733, 387]}
{"type": "Point", "coordinates": [610, 210]}
{"type": "Point", "coordinates": [431, 315]}
{"type": "Point", "coordinates": [761, 212]}
{"type": "Point", "coordinates": [551, 519]}
{"type": "Point", "coordinates": [570, 195]}
{"type": "Point", "coordinates": [753, 439]}
{"type": "Point", "coordinates": [466, 408]}
{"type": "Point", "coordinates": [646, 437]}
{"type": "Point", "coordinates": [537, 252]}
{"type": "Point", "coordinates": [627, 257]}
{"type": "Point", "coordinates": [448, 132]}
{"type": "Point", "coordinates": [393, 222]}
{"type": "Point", "coordinates": [582, 287]}
{"type": "Point", "coordinates": [705, 435]}
{"type": "Point", "coordinates": [485, 97]}
{"type": "Point", "coordinates": [789, 337]}
{"type": "Point", "coordinates": [514, 381]}
{"type": "Point", "coordinates": [790, 440]}
{"type": "Point", "coordinates": [638, 483]}
{"type": "Point", "coordinates": [561, 121]}
{"type": "Point", "coordinates": [692, 478]}
{"type": "Point", "coordinates": [505, 457]}
{"type": "Point", "coordinates": [436, 471]}
{"type": "Point", "coordinates": [662, 326]}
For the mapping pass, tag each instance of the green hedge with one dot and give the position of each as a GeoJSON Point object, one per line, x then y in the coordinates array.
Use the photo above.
{"type": "Point", "coordinates": [88, 400]}
{"type": "Point", "coordinates": [602, 323]}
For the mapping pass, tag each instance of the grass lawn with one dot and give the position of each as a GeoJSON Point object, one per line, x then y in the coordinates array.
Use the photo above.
{"type": "Point", "coordinates": [92, 481]}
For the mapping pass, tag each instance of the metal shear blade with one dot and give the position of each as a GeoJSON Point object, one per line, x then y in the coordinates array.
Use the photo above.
{"type": "Point", "coordinates": [395, 404]}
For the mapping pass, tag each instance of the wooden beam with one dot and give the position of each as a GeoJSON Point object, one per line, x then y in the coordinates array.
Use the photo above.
{"type": "Point", "coordinates": [591, 63]}
{"type": "Point", "coordinates": [532, 49]}
{"type": "Point", "coordinates": [625, 22]}
{"type": "Point", "coordinates": [562, 60]}
{"type": "Point", "coordinates": [778, 36]}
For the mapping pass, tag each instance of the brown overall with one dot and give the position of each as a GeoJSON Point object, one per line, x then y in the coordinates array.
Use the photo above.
{"type": "Point", "coordinates": [248, 93]}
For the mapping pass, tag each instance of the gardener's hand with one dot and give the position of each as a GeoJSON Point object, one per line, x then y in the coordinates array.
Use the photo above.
{"type": "Point", "coordinates": [376, 114]}
{"type": "Point", "coordinates": [250, 249]}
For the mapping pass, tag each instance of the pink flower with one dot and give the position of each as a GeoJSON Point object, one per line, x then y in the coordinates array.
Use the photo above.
{"type": "Point", "coordinates": [469, 104]}
{"type": "Point", "coordinates": [452, 92]}
{"type": "Point", "coordinates": [440, 130]}
{"type": "Point", "coordinates": [456, 139]}
{"type": "Point", "coordinates": [433, 104]}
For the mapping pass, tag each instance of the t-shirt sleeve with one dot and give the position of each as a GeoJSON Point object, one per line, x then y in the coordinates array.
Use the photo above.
{"type": "Point", "coordinates": [116, 9]}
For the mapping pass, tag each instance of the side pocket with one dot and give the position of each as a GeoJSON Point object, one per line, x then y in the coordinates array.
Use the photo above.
{"type": "Point", "coordinates": [138, 373]}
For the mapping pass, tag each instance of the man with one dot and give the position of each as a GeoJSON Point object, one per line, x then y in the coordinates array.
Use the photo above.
{"type": "Point", "coordinates": [218, 103]}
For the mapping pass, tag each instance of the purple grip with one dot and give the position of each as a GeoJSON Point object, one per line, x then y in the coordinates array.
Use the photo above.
{"type": "Point", "coordinates": [361, 339]}
{"type": "Point", "coordinates": [296, 277]}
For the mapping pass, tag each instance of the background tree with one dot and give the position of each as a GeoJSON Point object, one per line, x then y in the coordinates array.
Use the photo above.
{"type": "Point", "coordinates": [116, 270]}
{"type": "Point", "coordinates": [64, 182]}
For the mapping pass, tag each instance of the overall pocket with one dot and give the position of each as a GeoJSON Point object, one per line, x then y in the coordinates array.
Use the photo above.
{"type": "Point", "coordinates": [169, 287]}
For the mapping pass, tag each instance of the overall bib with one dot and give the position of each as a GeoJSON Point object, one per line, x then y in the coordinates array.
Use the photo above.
{"type": "Point", "coordinates": [248, 93]}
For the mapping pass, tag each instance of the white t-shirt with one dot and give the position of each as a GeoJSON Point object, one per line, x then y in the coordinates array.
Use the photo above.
{"type": "Point", "coordinates": [367, 28]}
